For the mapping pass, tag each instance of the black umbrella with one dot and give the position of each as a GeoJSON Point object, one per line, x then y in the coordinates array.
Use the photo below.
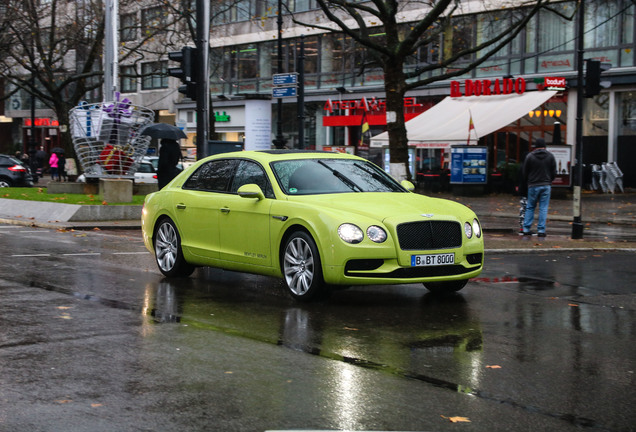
{"type": "Point", "coordinates": [57, 150]}
{"type": "Point", "coordinates": [164, 131]}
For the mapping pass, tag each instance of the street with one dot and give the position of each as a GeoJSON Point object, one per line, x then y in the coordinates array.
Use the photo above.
{"type": "Point", "coordinates": [93, 338]}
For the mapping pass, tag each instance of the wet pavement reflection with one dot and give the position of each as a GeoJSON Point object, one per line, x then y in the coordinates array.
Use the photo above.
{"type": "Point", "coordinates": [546, 338]}
{"type": "Point", "coordinates": [376, 329]}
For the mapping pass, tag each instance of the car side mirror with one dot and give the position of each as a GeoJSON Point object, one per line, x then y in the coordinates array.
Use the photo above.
{"type": "Point", "coordinates": [407, 185]}
{"type": "Point", "coordinates": [251, 191]}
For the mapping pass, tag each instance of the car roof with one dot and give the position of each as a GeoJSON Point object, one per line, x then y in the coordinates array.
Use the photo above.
{"type": "Point", "coordinates": [267, 156]}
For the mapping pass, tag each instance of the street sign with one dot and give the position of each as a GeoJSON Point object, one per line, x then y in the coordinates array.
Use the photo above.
{"type": "Point", "coordinates": [284, 79]}
{"type": "Point", "coordinates": [281, 92]}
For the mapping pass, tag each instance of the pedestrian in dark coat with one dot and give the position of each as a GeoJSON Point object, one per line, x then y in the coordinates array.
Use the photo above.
{"type": "Point", "coordinates": [169, 157]}
{"type": "Point", "coordinates": [539, 170]}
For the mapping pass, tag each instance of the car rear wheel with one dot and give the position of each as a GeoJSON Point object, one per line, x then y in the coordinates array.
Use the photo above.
{"type": "Point", "coordinates": [301, 268]}
{"type": "Point", "coordinates": [168, 252]}
{"type": "Point", "coordinates": [5, 182]}
{"type": "Point", "coordinates": [445, 287]}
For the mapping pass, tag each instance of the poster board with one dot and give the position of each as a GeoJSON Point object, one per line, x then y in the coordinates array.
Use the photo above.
{"type": "Point", "coordinates": [469, 164]}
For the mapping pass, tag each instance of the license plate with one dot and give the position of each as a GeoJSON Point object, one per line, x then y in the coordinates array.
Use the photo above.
{"type": "Point", "coordinates": [432, 259]}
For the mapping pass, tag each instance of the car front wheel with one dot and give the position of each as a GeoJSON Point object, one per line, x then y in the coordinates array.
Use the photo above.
{"type": "Point", "coordinates": [445, 287]}
{"type": "Point", "coordinates": [168, 252]}
{"type": "Point", "coordinates": [301, 268]}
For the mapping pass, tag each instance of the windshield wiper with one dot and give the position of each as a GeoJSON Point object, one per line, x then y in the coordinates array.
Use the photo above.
{"type": "Point", "coordinates": [346, 180]}
{"type": "Point", "coordinates": [376, 176]}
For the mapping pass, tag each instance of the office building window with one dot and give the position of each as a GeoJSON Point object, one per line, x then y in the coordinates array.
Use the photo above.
{"type": "Point", "coordinates": [154, 75]}
{"type": "Point", "coordinates": [153, 19]}
{"type": "Point", "coordinates": [128, 27]}
{"type": "Point", "coordinates": [128, 79]}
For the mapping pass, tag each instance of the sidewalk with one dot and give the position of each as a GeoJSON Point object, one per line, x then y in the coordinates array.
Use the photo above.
{"type": "Point", "coordinates": [499, 216]}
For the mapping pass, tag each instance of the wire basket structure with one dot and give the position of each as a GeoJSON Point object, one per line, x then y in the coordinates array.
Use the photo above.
{"type": "Point", "coordinates": [106, 137]}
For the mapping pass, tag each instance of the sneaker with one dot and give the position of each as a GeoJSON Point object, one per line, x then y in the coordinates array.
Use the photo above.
{"type": "Point", "coordinates": [541, 234]}
{"type": "Point", "coordinates": [527, 233]}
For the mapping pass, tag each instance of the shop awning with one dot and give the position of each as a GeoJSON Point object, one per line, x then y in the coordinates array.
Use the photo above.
{"type": "Point", "coordinates": [448, 122]}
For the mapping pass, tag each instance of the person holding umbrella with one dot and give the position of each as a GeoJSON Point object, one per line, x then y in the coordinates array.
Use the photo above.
{"type": "Point", "coordinates": [169, 157]}
{"type": "Point", "coordinates": [169, 152]}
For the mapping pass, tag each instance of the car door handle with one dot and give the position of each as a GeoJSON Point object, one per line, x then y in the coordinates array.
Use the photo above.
{"type": "Point", "coordinates": [181, 206]}
{"type": "Point", "coordinates": [225, 210]}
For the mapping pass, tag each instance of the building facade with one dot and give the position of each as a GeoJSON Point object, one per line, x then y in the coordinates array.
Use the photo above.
{"type": "Point", "coordinates": [342, 92]}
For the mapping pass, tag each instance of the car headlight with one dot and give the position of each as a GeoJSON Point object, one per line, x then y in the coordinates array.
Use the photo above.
{"type": "Point", "coordinates": [476, 228]}
{"type": "Point", "coordinates": [376, 234]}
{"type": "Point", "coordinates": [468, 229]}
{"type": "Point", "coordinates": [350, 233]}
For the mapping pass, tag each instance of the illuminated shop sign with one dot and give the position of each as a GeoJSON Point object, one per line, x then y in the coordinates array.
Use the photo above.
{"type": "Point", "coordinates": [488, 87]}
{"type": "Point", "coordinates": [221, 117]}
{"type": "Point", "coordinates": [41, 122]}
{"type": "Point", "coordinates": [372, 104]}
{"type": "Point", "coordinates": [554, 83]}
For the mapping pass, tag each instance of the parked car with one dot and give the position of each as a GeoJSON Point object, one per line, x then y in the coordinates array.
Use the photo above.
{"type": "Point", "coordinates": [145, 174]}
{"type": "Point", "coordinates": [13, 173]}
{"type": "Point", "coordinates": [316, 220]}
{"type": "Point", "coordinates": [154, 160]}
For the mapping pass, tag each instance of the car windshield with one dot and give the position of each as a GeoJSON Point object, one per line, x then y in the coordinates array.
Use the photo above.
{"type": "Point", "coordinates": [320, 176]}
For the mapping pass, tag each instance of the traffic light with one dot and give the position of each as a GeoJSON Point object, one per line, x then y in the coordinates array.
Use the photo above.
{"type": "Point", "coordinates": [187, 57]}
{"type": "Point", "coordinates": [593, 83]}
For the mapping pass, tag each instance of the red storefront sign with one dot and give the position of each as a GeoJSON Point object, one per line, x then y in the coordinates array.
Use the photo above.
{"type": "Point", "coordinates": [554, 83]}
{"type": "Point", "coordinates": [488, 87]}
{"type": "Point", "coordinates": [42, 122]}
{"type": "Point", "coordinates": [340, 112]}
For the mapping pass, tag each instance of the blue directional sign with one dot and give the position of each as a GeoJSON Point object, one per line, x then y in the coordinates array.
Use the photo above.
{"type": "Point", "coordinates": [285, 79]}
{"type": "Point", "coordinates": [281, 92]}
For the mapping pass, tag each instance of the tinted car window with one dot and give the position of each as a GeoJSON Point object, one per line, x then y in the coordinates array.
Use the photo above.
{"type": "Point", "coordinates": [212, 176]}
{"type": "Point", "coordinates": [250, 172]}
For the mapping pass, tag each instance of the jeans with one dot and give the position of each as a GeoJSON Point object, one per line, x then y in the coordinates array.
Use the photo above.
{"type": "Point", "coordinates": [540, 195]}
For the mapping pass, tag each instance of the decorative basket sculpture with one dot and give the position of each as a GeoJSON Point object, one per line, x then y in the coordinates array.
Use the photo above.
{"type": "Point", "coordinates": [106, 137]}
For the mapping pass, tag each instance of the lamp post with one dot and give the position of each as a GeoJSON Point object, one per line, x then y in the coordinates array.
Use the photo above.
{"type": "Point", "coordinates": [280, 141]}
{"type": "Point", "coordinates": [577, 223]}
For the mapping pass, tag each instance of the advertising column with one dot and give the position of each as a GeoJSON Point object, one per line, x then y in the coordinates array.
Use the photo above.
{"type": "Point", "coordinates": [258, 124]}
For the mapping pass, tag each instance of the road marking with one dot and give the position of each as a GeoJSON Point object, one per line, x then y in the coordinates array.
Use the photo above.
{"type": "Point", "coordinates": [130, 253]}
{"type": "Point", "coordinates": [82, 254]}
{"type": "Point", "coordinates": [31, 255]}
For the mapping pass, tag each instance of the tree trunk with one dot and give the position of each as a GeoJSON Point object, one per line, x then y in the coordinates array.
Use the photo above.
{"type": "Point", "coordinates": [395, 83]}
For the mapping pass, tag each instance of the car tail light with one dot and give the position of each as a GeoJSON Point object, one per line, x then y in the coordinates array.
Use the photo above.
{"type": "Point", "coordinates": [154, 176]}
{"type": "Point", "coordinates": [17, 168]}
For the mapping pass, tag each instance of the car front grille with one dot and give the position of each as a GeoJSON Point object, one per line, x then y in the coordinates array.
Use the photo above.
{"type": "Point", "coordinates": [429, 235]}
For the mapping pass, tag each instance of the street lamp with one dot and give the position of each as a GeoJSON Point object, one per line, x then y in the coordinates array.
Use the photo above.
{"type": "Point", "coordinates": [280, 141]}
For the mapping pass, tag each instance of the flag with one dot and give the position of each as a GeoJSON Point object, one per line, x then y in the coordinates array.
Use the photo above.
{"type": "Point", "coordinates": [364, 127]}
{"type": "Point", "coordinates": [471, 127]}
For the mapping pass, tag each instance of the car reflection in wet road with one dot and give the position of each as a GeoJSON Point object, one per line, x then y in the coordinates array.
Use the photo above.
{"type": "Point", "coordinates": [94, 336]}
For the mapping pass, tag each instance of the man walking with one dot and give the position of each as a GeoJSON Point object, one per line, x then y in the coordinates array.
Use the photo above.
{"type": "Point", "coordinates": [539, 170]}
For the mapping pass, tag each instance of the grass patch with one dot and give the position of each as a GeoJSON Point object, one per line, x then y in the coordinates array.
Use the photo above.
{"type": "Point", "coordinates": [40, 194]}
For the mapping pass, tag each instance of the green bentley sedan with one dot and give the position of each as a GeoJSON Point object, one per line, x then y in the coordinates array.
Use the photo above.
{"type": "Point", "coordinates": [317, 220]}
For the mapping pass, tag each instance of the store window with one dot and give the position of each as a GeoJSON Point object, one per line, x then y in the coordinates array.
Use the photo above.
{"type": "Point", "coordinates": [626, 139]}
{"type": "Point", "coordinates": [247, 61]}
{"type": "Point", "coordinates": [155, 75]}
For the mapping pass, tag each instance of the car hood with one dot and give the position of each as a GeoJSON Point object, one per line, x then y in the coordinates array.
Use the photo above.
{"type": "Point", "coordinates": [383, 205]}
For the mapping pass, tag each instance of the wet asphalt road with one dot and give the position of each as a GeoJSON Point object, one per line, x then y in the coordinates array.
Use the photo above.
{"type": "Point", "coordinates": [93, 338]}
